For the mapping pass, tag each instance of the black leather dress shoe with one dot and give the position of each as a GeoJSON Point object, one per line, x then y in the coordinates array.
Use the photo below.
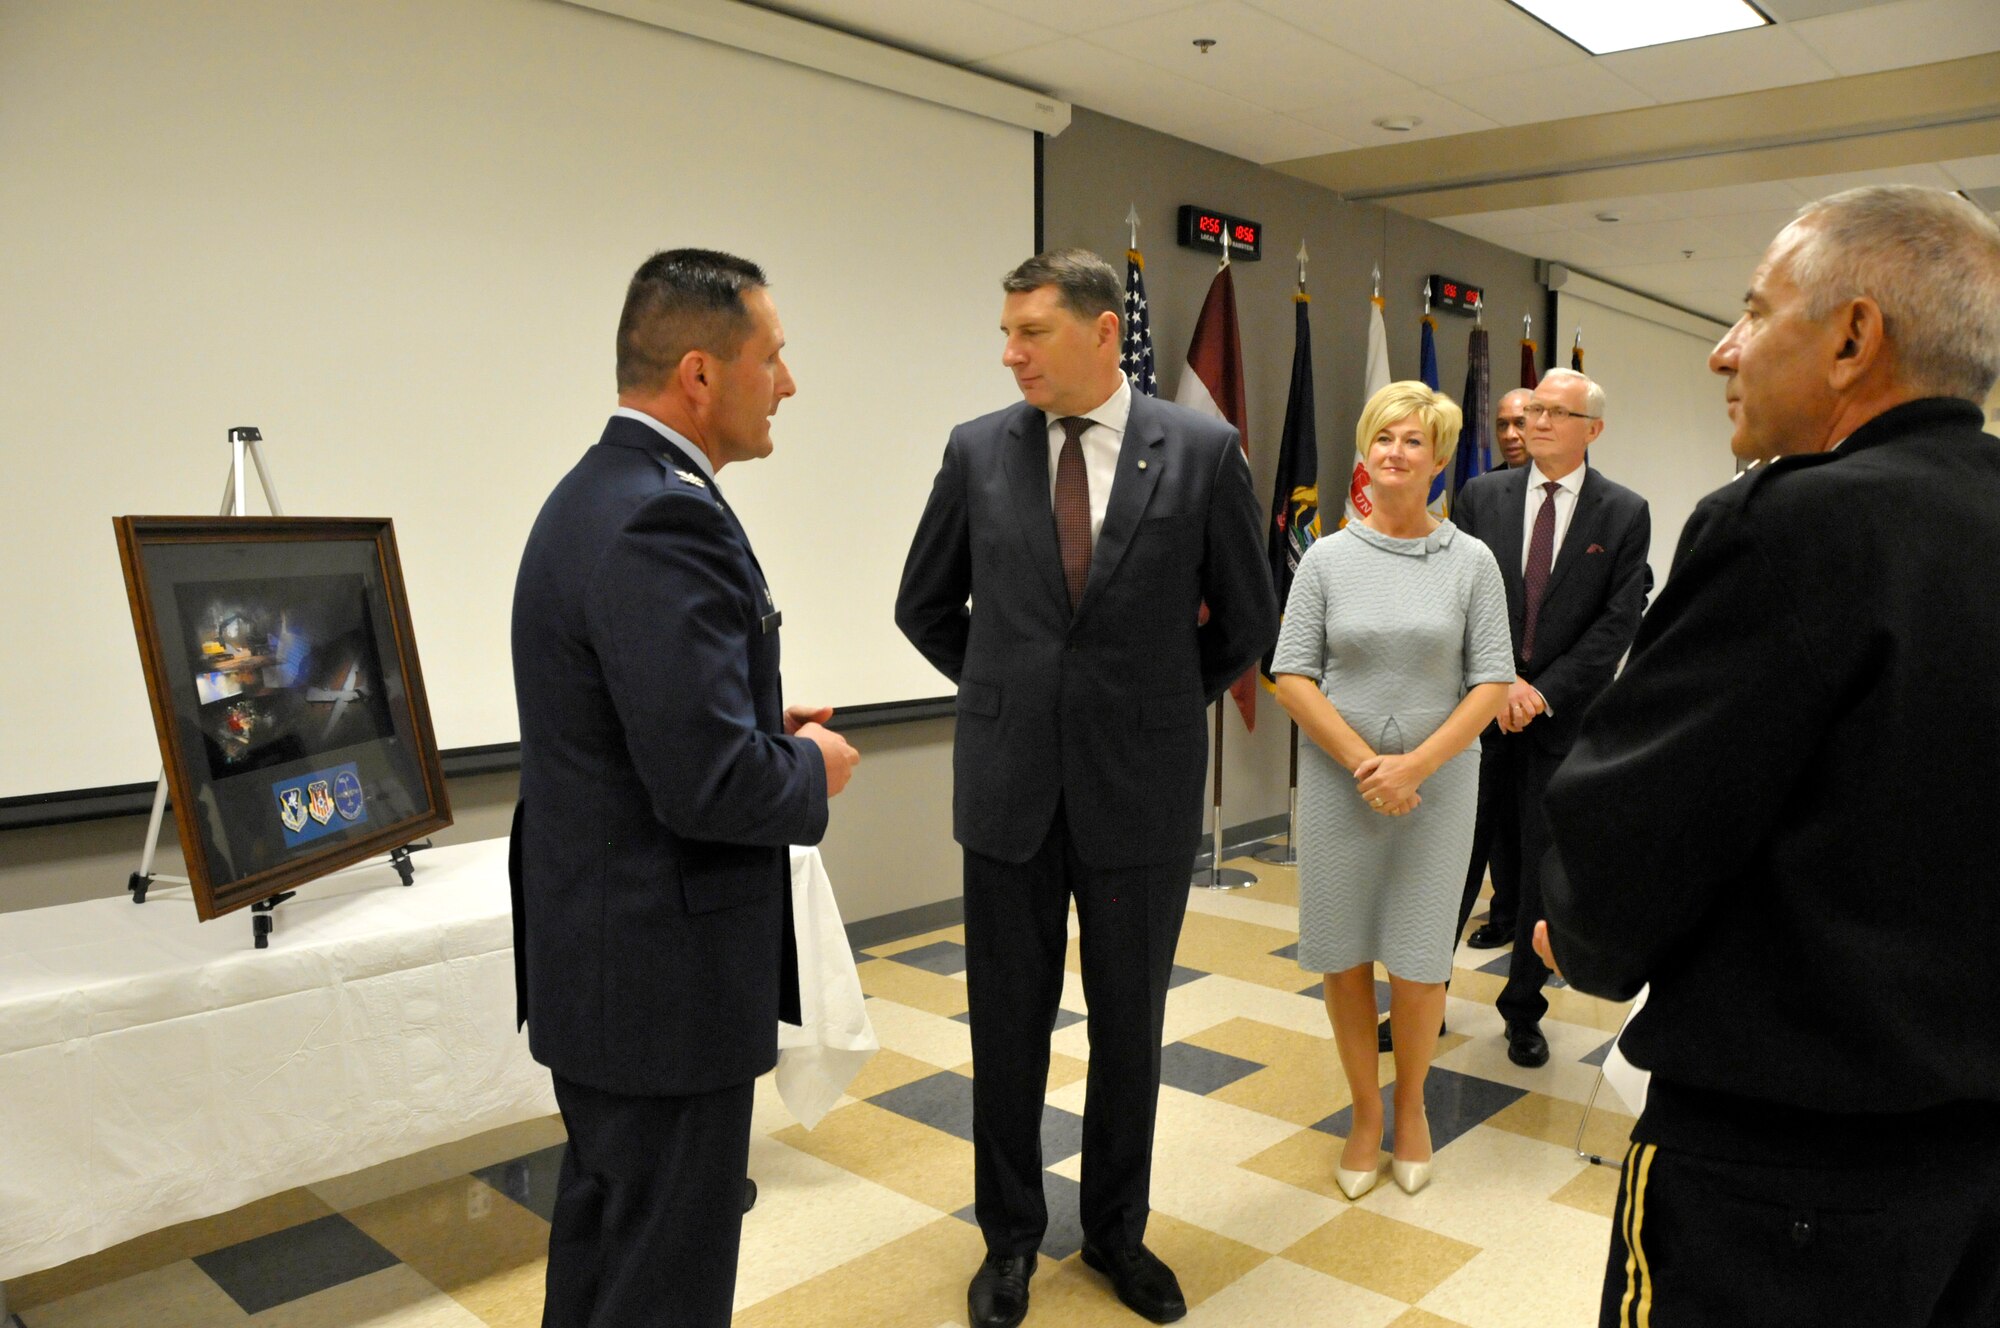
{"type": "Point", "coordinates": [998, 1296]}
{"type": "Point", "coordinates": [749, 1194]}
{"type": "Point", "coordinates": [1146, 1285]}
{"type": "Point", "coordinates": [1385, 1041]}
{"type": "Point", "coordinates": [1526, 1046]}
{"type": "Point", "coordinates": [1486, 936]}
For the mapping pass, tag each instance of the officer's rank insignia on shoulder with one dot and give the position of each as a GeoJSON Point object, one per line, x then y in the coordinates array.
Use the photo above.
{"type": "Point", "coordinates": [689, 477]}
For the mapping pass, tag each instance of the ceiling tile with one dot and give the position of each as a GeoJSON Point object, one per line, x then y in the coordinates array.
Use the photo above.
{"type": "Point", "coordinates": [1719, 66]}
{"type": "Point", "coordinates": [1353, 119]}
{"type": "Point", "coordinates": [1819, 186]}
{"type": "Point", "coordinates": [1746, 234]}
{"type": "Point", "coordinates": [1732, 199]}
{"type": "Point", "coordinates": [955, 31]}
{"type": "Point", "coordinates": [1914, 32]}
{"type": "Point", "coordinates": [1432, 41]}
{"type": "Point", "coordinates": [1974, 172]}
{"type": "Point", "coordinates": [1267, 136]}
{"type": "Point", "coordinates": [1498, 225]}
{"type": "Point", "coordinates": [1256, 57]}
{"type": "Point", "coordinates": [1073, 17]}
{"type": "Point", "coordinates": [1118, 85]}
{"type": "Point", "coordinates": [1526, 97]}
{"type": "Point", "coordinates": [1644, 208]}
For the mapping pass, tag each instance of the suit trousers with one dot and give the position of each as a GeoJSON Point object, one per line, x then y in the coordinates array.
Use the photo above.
{"type": "Point", "coordinates": [1700, 1242]}
{"type": "Point", "coordinates": [649, 1209]}
{"type": "Point", "coordinates": [1496, 841]}
{"type": "Point", "coordinates": [1528, 768]}
{"type": "Point", "coordinates": [1016, 939]}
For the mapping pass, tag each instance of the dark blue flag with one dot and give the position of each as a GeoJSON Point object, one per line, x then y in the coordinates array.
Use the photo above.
{"type": "Point", "coordinates": [1136, 357]}
{"type": "Point", "coordinates": [1295, 497]}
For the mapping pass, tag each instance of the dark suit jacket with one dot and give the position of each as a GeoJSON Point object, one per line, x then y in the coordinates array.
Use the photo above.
{"type": "Point", "coordinates": [1103, 710]}
{"type": "Point", "coordinates": [1597, 588]}
{"type": "Point", "coordinates": [1781, 814]}
{"type": "Point", "coordinates": [652, 910]}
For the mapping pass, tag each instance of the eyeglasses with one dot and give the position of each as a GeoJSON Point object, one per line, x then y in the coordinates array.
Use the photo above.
{"type": "Point", "coordinates": [1556, 414]}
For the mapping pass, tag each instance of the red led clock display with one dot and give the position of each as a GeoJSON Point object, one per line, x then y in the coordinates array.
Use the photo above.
{"type": "Point", "coordinates": [1205, 228]}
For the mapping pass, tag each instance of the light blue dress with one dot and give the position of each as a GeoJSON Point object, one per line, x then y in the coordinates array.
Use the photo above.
{"type": "Point", "coordinates": [1395, 631]}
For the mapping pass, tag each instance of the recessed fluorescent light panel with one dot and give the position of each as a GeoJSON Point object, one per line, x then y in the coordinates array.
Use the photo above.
{"type": "Point", "coordinates": [1604, 26]}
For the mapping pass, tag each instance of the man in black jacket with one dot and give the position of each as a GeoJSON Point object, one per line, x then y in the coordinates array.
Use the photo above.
{"type": "Point", "coordinates": [1572, 547]}
{"type": "Point", "coordinates": [662, 780]}
{"type": "Point", "coordinates": [1780, 816]}
{"type": "Point", "coordinates": [1058, 577]}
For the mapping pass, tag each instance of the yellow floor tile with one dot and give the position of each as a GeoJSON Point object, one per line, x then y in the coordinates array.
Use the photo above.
{"type": "Point", "coordinates": [954, 934]}
{"type": "Point", "coordinates": [1306, 1160]}
{"type": "Point", "coordinates": [908, 985]}
{"type": "Point", "coordinates": [162, 1248]}
{"type": "Point", "coordinates": [888, 1069]}
{"type": "Point", "coordinates": [1301, 1080]}
{"type": "Point", "coordinates": [393, 1298]}
{"type": "Point", "coordinates": [1415, 1318]}
{"type": "Point", "coordinates": [487, 1253]}
{"type": "Point", "coordinates": [1281, 1294]}
{"type": "Point", "coordinates": [1241, 950]}
{"type": "Point", "coordinates": [811, 1218]}
{"type": "Point", "coordinates": [441, 1163]}
{"type": "Point", "coordinates": [906, 1156]}
{"type": "Point", "coordinates": [917, 1281]}
{"type": "Point", "coordinates": [1203, 1261]}
{"type": "Point", "coordinates": [1554, 1120]}
{"type": "Point", "coordinates": [1573, 1007]}
{"type": "Point", "coordinates": [1595, 1191]}
{"type": "Point", "coordinates": [1064, 1070]}
{"type": "Point", "coordinates": [1389, 1257]}
{"type": "Point", "coordinates": [1276, 884]}
{"type": "Point", "coordinates": [179, 1295]}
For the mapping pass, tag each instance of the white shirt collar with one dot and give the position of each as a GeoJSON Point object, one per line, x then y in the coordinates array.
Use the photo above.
{"type": "Point", "coordinates": [1572, 481]}
{"type": "Point", "coordinates": [1113, 414]}
{"type": "Point", "coordinates": [695, 454]}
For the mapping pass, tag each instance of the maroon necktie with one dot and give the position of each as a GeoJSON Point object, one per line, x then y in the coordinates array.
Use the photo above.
{"type": "Point", "coordinates": [1073, 508]}
{"type": "Point", "coordinates": [1541, 553]}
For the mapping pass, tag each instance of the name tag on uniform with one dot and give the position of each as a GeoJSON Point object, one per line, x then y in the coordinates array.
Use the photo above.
{"type": "Point", "coordinates": [769, 622]}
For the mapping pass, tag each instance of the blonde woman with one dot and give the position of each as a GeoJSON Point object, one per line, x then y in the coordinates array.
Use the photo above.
{"type": "Point", "coordinates": [1395, 653]}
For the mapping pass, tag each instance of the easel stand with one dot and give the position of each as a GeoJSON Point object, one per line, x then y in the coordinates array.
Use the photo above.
{"type": "Point", "coordinates": [245, 450]}
{"type": "Point", "coordinates": [1216, 876]}
{"type": "Point", "coordinates": [1287, 853]}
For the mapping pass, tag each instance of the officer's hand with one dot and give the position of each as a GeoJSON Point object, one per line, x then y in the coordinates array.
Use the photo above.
{"type": "Point", "coordinates": [840, 758]}
{"type": "Point", "coordinates": [798, 716]}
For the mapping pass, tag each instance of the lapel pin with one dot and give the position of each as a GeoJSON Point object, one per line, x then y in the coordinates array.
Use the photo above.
{"type": "Point", "coordinates": [689, 477]}
{"type": "Point", "coordinates": [1142, 463]}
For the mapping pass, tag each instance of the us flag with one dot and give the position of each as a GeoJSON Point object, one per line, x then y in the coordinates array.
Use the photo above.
{"type": "Point", "coordinates": [1136, 359]}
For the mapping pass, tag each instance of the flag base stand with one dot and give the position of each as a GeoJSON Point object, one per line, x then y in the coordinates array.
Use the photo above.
{"type": "Point", "coordinates": [1215, 876]}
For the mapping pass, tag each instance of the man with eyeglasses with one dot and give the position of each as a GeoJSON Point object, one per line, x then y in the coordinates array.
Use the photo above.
{"type": "Point", "coordinates": [1572, 548]}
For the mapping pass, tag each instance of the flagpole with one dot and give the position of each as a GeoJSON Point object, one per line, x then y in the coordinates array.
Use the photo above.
{"type": "Point", "coordinates": [1219, 877]}
{"type": "Point", "coordinates": [1287, 854]}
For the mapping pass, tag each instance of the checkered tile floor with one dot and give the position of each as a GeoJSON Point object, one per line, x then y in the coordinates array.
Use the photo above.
{"type": "Point", "coordinates": [867, 1219]}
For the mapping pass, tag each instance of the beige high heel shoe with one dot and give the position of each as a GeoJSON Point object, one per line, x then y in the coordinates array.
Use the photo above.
{"type": "Point", "coordinates": [1412, 1176]}
{"type": "Point", "coordinates": [1354, 1184]}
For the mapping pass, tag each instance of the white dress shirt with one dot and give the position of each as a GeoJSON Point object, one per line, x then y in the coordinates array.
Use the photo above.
{"type": "Point", "coordinates": [695, 454]}
{"type": "Point", "coordinates": [1100, 442]}
{"type": "Point", "coordinates": [1565, 501]}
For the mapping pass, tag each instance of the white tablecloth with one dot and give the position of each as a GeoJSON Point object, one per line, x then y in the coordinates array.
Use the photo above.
{"type": "Point", "coordinates": [154, 1070]}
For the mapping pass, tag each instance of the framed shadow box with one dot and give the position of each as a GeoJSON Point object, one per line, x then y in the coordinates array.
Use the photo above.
{"type": "Point", "coordinates": [286, 694]}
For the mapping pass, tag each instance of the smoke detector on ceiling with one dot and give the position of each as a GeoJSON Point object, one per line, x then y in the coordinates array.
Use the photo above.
{"type": "Point", "coordinates": [1398, 124]}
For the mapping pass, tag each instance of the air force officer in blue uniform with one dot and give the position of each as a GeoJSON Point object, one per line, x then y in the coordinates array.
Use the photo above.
{"type": "Point", "coordinates": [1058, 576]}
{"type": "Point", "coordinates": [662, 781]}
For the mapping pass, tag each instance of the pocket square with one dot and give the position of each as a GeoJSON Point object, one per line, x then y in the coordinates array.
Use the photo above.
{"type": "Point", "coordinates": [1595, 548]}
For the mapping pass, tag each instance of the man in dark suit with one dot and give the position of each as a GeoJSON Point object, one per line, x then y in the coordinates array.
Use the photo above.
{"type": "Point", "coordinates": [662, 781]}
{"type": "Point", "coordinates": [1510, 431]}
{"type": "Point", "coordinates": [1572, 550]}
{"type": "Point", "coordinates": [1780, 816]}
{"type": "Point", "coordinates": [1058, 577]}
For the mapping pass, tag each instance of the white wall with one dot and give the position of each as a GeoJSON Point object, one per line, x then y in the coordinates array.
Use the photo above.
{"type": "Point", "coordinates": [1666, 435]}
{"type": "Point", "coordinates": [395, 237]}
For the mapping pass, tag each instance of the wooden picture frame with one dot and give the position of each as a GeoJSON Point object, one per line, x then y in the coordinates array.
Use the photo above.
{"type": "Point", "coordinates": [286, 694]}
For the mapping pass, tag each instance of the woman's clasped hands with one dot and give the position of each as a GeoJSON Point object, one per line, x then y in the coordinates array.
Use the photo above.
{"type": "Point", "coordinates": [1388, 784]}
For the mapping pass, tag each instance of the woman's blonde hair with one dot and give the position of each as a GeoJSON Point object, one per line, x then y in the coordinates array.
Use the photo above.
{"type": "Point", "coordinates": [1439, 414]}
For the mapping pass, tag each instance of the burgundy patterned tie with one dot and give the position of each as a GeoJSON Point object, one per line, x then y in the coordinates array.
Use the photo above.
{"type": "Point", "coordinates": [1073, 508]}
{"type": "Point", "coordinates": [1541, 553]}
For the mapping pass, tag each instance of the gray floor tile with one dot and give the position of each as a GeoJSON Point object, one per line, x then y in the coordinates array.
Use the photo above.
{"type": "Point", "coordinates": [529, 1180]}
{"type": "Point", "coordinates": [1200, 1071]}
{"type": "Point", "coordinates": [287, 1265]}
